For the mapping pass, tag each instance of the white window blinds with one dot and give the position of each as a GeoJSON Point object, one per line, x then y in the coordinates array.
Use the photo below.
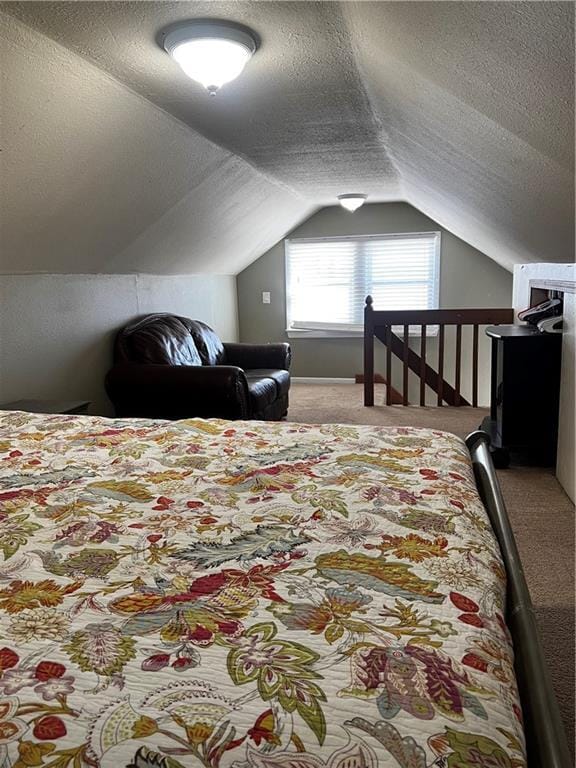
{"type": "Point", "coordinates": [328, 279]}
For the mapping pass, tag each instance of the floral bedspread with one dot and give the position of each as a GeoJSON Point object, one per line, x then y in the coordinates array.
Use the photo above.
{"type": "Point", "coordinates": [210, 593]}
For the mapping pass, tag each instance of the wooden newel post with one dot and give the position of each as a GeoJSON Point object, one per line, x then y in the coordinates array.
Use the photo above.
{"type": "Point", "coordinates": [368, 352]}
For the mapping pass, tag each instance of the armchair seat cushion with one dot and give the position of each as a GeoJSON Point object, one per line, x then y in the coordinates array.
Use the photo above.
{"type": "Point", "coordinates": [263, 392]}
{"type": "Point", "coordinates": [280, 377]}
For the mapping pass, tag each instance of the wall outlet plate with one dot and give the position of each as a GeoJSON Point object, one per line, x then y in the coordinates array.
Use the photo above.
{"type": "Point", "coordinates": [265, 297]}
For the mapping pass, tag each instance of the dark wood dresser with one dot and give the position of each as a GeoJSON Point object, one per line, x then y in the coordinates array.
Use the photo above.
{"type": "Point", "coordinates": [525, 392]}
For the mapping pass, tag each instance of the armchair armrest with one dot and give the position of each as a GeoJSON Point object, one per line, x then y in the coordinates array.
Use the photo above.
{"type": "Point", "coordinates": [249, 356]}
{"type": "Point", "coordinates": [178, 391]}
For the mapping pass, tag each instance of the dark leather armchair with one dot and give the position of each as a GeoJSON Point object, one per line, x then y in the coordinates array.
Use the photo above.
{"type": "Point", "coordinates": [170, 367]}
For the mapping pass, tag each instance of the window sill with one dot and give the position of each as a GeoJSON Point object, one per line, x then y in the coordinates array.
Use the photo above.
{"type": "Point", "coordinates": [299, 333]}
{"type": "Point", "coordinates": [317, 333]}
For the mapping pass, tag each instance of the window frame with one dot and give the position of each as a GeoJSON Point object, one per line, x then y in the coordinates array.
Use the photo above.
{"type": "Point", "coordinates": [332, 333]}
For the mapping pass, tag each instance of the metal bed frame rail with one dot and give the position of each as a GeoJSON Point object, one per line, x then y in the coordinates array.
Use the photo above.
{"type": "Point", "coordinates": [546, 742]}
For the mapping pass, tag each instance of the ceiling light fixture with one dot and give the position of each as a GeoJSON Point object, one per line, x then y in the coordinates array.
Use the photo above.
{"type": "Point", "coordinates": [352, 201]}
{"type": "Point", "coordinates": [211, 52]}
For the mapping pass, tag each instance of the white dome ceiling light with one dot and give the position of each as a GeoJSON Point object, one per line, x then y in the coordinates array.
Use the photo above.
{"type": "Point", "coordinates": [352, 201]}
{"type": "Point", "coordinates": [211, 52]}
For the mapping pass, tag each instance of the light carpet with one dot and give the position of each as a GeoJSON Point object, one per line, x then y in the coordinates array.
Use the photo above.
{"type": "Point", "coordinates": [541, 514]}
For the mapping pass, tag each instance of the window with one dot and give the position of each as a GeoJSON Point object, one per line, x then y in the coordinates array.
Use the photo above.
{"type": "Point", "coordinates": [328, 279]}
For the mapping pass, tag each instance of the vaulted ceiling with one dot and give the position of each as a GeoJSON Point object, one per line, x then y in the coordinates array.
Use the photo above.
{"type": "Point", "coordinates": [114, 161]}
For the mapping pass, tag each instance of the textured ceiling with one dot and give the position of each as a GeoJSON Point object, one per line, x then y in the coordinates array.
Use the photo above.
{"type": "Point", "coordinates": [115, 161]}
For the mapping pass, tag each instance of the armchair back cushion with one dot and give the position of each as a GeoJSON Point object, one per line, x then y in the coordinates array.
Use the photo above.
{"type": "Point", "coordinates": [156, 339]}
{"type": "Point", "coordinates": [207, 343]}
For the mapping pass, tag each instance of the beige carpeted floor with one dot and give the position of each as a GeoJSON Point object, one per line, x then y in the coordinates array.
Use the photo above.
{"type": "Point", "coordinates": [540, 512]}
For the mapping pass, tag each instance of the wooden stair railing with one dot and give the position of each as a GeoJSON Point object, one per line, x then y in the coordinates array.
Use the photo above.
{"type": "Point", "coordinates": [380, 324]}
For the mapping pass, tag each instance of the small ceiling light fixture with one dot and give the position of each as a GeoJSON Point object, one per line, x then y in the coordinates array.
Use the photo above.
{"type": "Point", "coordinates": [211, 52]}
{"type": "Point", "coordinates": [352, 201]}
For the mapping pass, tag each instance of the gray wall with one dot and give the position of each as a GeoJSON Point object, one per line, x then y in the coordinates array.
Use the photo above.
{"type": "Point", "coordinates": [525, 275]}
{"type": "Point", "coordinates": [566, 464]}
{"type": "Point", "coordinates": [56, 331]}
{"type": "Point", "coordinates": [468, 278]}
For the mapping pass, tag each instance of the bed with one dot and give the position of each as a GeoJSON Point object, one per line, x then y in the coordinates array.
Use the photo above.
{"type": "Point", "coordinates": [249, 595]}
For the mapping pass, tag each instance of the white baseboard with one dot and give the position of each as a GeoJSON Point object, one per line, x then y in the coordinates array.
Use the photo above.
{"type": "Point", "coordinates": [316, 380]}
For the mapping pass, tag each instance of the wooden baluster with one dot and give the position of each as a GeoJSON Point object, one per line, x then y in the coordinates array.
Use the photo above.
{"type": "Point", "coordinates": [405, 383]}
{"type": "Point", "coordinates": [422, 365]}
{"type": "Point", "coordinates": [368, 353]}
{"type": "Point", "coordinates": [388, 338]}
{"type": "Point", "coordinates": [458, 364]}
{"type": "Point", "coordinates": [440, 387]}
{"type": "Point", "coordinates": [475, 368]}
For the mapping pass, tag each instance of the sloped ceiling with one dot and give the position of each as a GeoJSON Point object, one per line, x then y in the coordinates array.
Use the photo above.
{"type": "Point", "coordinates": [114, 161]}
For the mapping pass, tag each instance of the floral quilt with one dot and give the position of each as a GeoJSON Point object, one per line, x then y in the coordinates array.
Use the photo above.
{"type": "Point", "coordinates": [248, 595]}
